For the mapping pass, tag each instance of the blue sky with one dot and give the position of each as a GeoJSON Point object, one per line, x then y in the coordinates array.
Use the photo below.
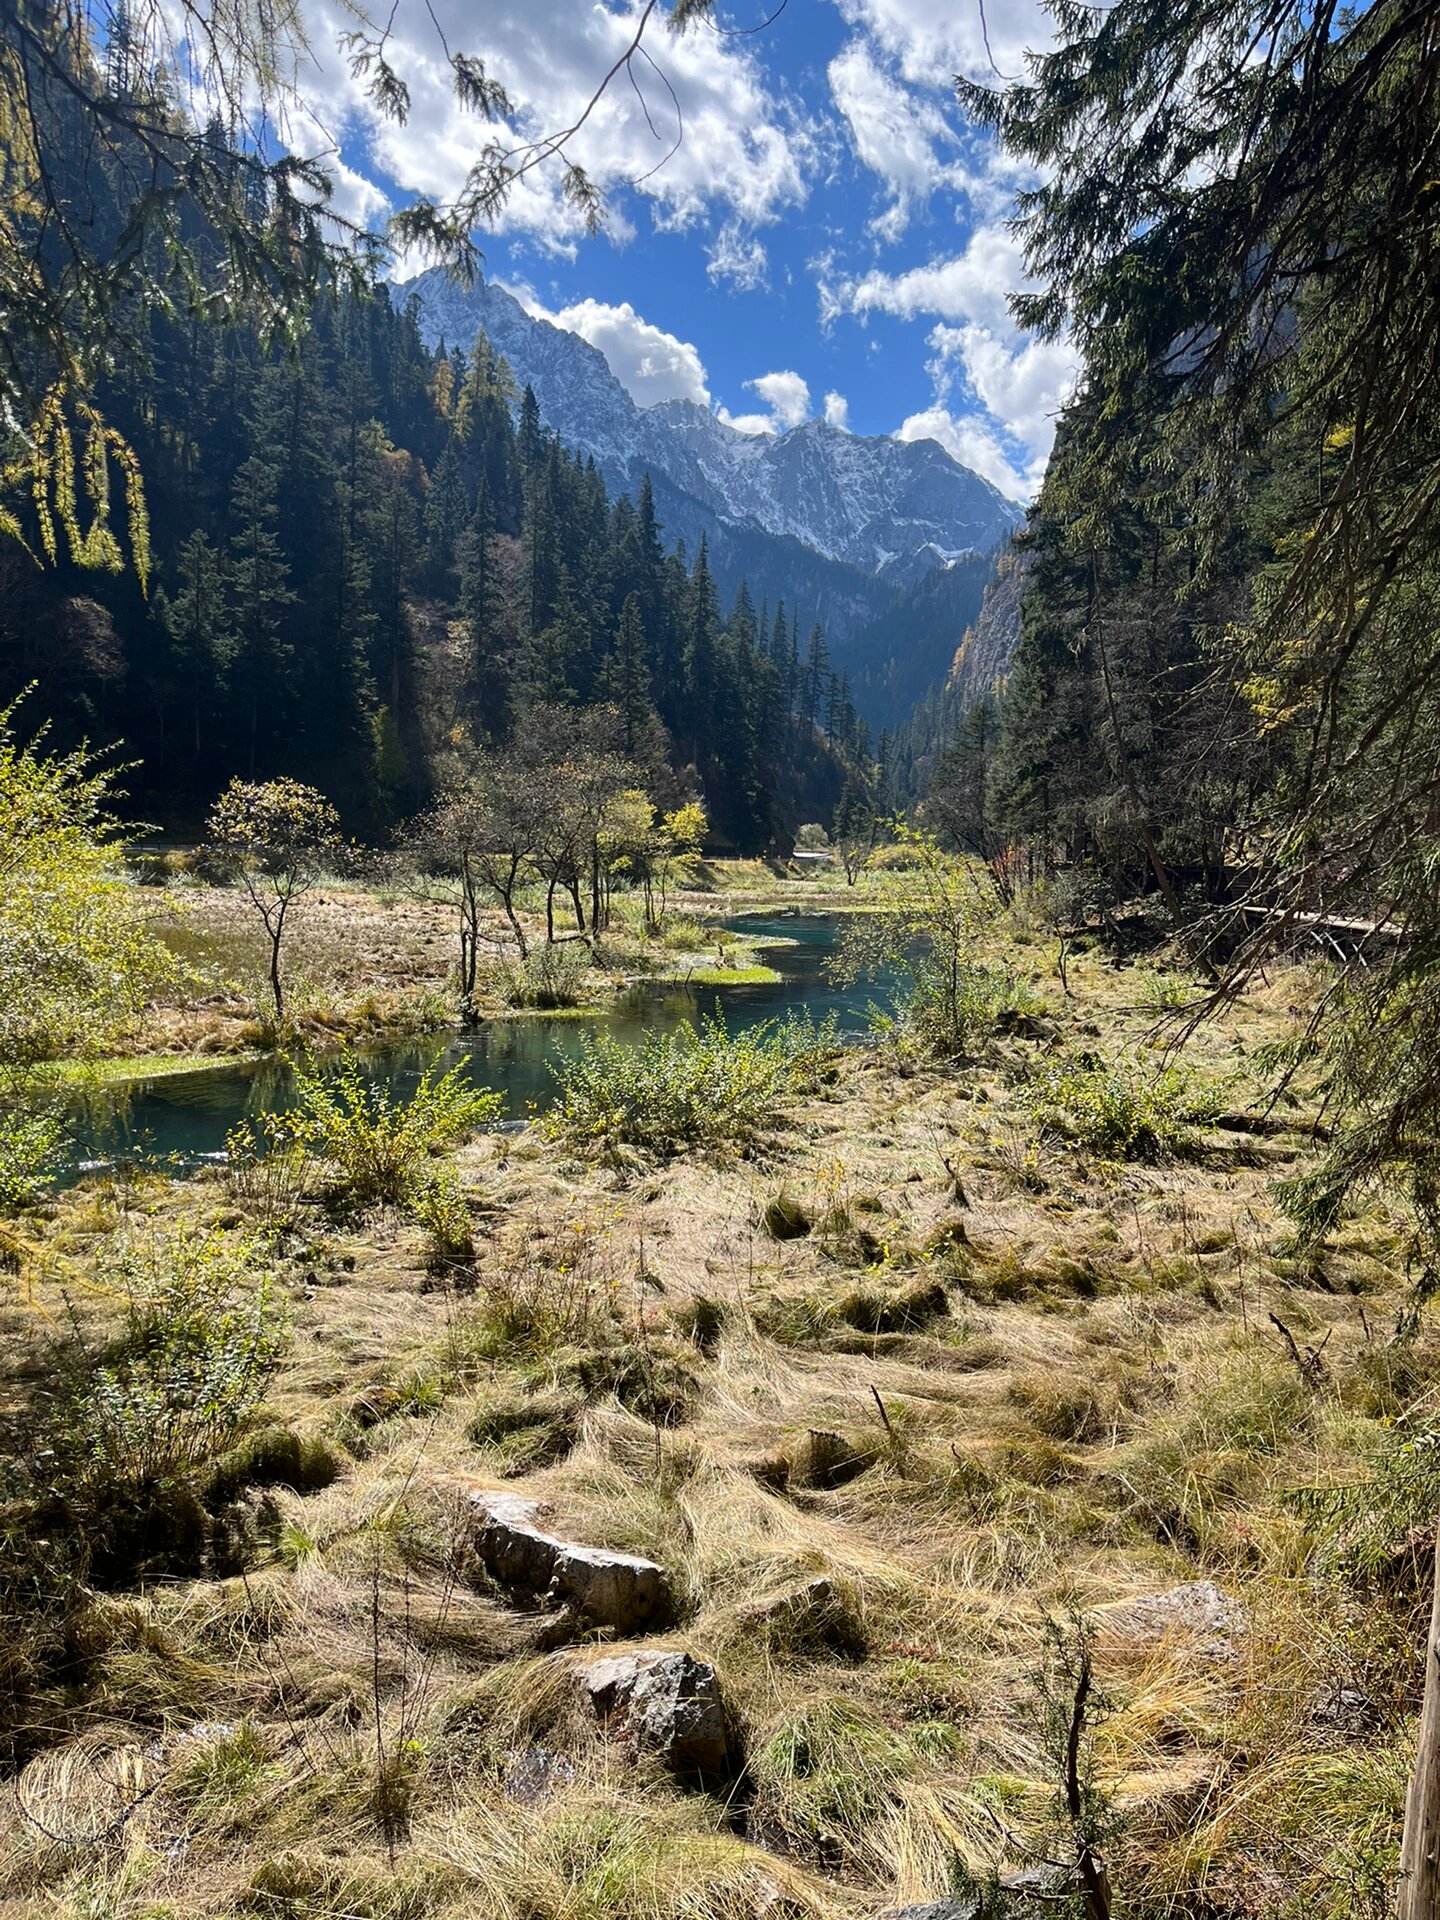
{"type": "Point", "coordinates": [829, 238]}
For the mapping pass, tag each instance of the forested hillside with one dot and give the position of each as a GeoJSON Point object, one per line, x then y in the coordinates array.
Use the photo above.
{"type": "Point", "coordinates": [364, 555]}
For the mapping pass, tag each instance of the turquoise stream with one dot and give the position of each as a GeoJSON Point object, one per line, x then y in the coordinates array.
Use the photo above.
{"type": "Point", "coordinates": [184, 1118]}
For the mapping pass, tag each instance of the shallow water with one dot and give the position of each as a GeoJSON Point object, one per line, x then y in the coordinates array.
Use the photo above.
{"type": "Point", "coordinates": [184, 1118]}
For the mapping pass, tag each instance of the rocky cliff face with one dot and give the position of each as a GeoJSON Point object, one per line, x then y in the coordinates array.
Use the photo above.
{"type": "Point", "coordinates": [886, 511]}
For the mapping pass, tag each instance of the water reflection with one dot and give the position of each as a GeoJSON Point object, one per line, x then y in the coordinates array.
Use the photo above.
{"type": "Point", "coordinates": [185, 1118]}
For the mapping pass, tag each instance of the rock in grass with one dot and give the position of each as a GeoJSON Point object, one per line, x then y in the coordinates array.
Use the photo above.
{"type": "Point", "coordinates": [1198, 1611]}
{"type": "Point", "coordinates": [595, 1586]}
{"type": "Point", "coordinates": [669, 1704]}
{"type": "Point", "coordinates": [963, 1906]}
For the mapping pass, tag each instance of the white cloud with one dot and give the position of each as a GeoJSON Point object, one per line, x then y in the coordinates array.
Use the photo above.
{"type": "Point", "coordinates": [837, 411]}
{"type": "Point", "coordinates": [997, 391]}
{"type": "Point", "coordinates": [894, 132]}
{"type": "Point", "coordinates": [930, 42]}
{"type": "Point", "coordinates": [975, 444]}
{"type": "Point", "coordinates": [786, 395]}
{"type": "Point", "coordinates": [973, 285]}
{"type": "Point", "coordinates": [1022, 382]}
{"type": "Point", "coordinates": [652, 364]}
{"type": "Point", "coordinates": [743, 152]}
{"type": "Point", "coordinates": [738, 257]}
{"type": "Point", "coordinates": [746, 422]}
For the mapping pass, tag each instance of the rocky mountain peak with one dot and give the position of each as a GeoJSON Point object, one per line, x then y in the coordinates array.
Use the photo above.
{"type": "Point", "coordinates": [887, 508]}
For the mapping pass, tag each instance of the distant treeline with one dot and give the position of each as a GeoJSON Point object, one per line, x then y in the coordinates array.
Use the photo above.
{"type": "Point", "coordinates": [368, 556]}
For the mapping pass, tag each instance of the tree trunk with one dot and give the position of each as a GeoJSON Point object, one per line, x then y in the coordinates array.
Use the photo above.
{"type": "Point", "coordinates": [275, 976]}
{"type": "Point", "coordinates": [1420, 1847]}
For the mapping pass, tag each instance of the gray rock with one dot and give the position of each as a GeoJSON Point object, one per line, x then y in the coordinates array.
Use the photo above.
{"type": "Point", "coordinates": [965, 1906]}
{"type": "Point", "coordinates": [594, 1586]}
{"type": "Point", "coordinates": [669, 1704]}
{"type": "Point", "coordinates": [1349, 1710]}
{"type": "Point", "coordinates": [1199, 1611]}
{"type": "Point", "coordinates": [533, 1774]}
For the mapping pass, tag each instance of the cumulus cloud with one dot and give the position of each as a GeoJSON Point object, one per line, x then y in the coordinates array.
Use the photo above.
{"type": "Point", "coordinates": [744, 153]}
{"type": "Point", "coordinates": [973, 285]}
{"type": "Point", "coordinates": [1021, 382]}
{"type": "Point", "coordinates": [894, 132]}
{"type": "Point", "coordinates": [975, 444]}
{"type": "Point", "coordinates": [997, 391]}
{"type": "Point", "coordinates": [746, 422]}
{"type": "Point", "coordinates": [837, 411]}
{"type": "Point", "coordinates": [786, 395]}
{"type": "Point", "coordinates": [787, 398]}
{"type": "Point", "coordinates": [652, 364]}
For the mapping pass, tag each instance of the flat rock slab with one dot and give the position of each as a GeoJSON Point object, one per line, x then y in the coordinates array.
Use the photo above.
{"type": "Point", "coordinates": [596, 1586]}
{"type": "Point", "coordinates": [1198, 1611]}
{"type": "Point", "coordinates": [669, 1704]}
{"type": "Point", "coordinates": [963, 1908]}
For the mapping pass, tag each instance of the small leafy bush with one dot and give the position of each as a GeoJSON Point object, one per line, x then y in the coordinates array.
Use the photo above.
{"type": "Point", "coordinates": [1378, 1533]}
{"type": "Point", "coordinates": [268, 1171]}
{"type": "Point", "coordinates": [379, 1149]}
{"type": "Point", "coordinates": [203, 1331]}
{"type": "Point", "coordinates": [140, 1426]}
{"type": "Point", "coordinates": [29, 1142]}
{"type": "Point", "coordinates": [1116, 1112]}
{"type": "Point", "coordinates": [697, 1087]}
{"type": "Point", "coordinates": [441, 1209]}
{"type": "Point", "coordinates": [924, 946]}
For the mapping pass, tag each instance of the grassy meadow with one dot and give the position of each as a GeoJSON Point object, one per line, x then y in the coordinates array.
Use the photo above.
{"type": "Point", "coordinates": [916, 1380]}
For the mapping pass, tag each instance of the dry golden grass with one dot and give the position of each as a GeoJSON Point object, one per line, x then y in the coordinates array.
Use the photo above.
{"type": "Point", "coordinates": [1057, 1391]}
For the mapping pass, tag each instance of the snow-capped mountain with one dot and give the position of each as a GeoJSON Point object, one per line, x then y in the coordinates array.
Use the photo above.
{"type": "Point", "coordinates": [886, 508]}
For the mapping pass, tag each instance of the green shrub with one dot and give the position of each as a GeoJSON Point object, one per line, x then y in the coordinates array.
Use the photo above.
{"type": "Point", "coordinates": [697, 1087]}
{"type": "Point", "coordinates": [924, 946]}
{"type": "Point", "coordinates": [1378, 1532]}
{"type": "Point", "coordinates": [268, 1171]}
{"type": "Point", "coordinates": [29, 1142]}
{"type": "Point", "coordinates": [440, 1208]}
{"type": "Point", "coordinates": [203, 1331]}
{"type": "Point", "coordinates": [379, 1149]}
{"type": "Point", "coordinates": [1114, 1111]}
{"type": "Point", "coordinates": [140, 1426]}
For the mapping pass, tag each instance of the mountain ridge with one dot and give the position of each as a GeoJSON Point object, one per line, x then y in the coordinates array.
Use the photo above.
{"type": "Point", "coordinates": [884, 509]}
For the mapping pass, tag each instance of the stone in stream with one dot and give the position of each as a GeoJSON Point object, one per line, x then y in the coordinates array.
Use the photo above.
{"type": "Point", "coordinates": [594, 1586]}
{"type": "Point", "coordinates": [669, 1704]}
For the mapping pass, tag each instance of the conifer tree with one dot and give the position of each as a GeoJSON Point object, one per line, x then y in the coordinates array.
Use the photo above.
{"type": "Point", "coordinates": [197, 620]}
{"type": "Point", "coordinates": [626, 682]}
